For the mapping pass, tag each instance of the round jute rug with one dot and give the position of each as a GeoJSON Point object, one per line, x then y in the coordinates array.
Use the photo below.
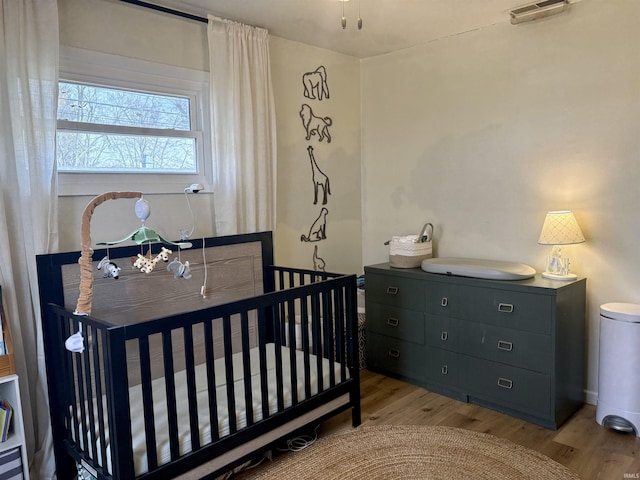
{"type": "Point", "coordinates": [414, 452]}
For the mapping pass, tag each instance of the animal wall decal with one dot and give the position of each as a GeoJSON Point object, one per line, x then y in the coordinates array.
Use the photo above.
{"type": "Point", "coordinates": [318, 230]}
{"type": "Point", "coordinates": [315, 125]}
{"type": "Point", "coordinates": [318, 263]}
{"type": "Point", "coordinates": [315, 84]}
{"type": "Point", "coordinates": [320, 180]}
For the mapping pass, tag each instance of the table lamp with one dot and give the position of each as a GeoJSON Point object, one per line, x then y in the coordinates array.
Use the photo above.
{"type": "Point", "coordinates": [559, 228]}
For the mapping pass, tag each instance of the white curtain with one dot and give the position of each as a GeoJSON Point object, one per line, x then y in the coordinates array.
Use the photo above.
{"type": "Point", "coordinates": [243, 124]}
{"type": "Point", "coordinates": [28, 198]}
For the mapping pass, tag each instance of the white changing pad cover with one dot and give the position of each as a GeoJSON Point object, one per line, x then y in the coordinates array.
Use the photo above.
{"type": "Point", "coordinates": [478, 268]}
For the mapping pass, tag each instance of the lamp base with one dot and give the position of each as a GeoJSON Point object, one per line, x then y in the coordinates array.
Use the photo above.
{"type": "Point", "coordinates": [559, 276]}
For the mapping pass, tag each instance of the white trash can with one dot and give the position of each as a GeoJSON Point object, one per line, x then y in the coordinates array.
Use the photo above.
{"type": "Point", "coordinates": [619, 368]}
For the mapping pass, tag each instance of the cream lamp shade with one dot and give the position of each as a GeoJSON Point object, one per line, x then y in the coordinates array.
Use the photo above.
{"type": "Point", "coordinates": [559, 228]}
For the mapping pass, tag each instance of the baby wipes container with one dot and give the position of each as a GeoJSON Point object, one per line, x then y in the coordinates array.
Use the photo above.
{"type": "Point", "coordinates": [619, 368]}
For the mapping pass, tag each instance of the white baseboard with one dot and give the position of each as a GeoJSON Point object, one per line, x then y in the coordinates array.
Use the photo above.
{"type": "Point", "coordinates": [591, 397]}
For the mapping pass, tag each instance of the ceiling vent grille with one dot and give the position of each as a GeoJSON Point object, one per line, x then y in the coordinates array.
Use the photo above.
{"type": "Point", "coordinates": [533, 11]}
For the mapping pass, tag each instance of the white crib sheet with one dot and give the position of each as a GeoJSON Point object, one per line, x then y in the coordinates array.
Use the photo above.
{"type": "Point", "coordinates": [160, 402]}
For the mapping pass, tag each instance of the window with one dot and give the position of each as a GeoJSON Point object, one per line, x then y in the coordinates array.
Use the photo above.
{"type": "Point", "coordinates": [129, 124]}
{"type": "Point", "coordinates": [114, 130]}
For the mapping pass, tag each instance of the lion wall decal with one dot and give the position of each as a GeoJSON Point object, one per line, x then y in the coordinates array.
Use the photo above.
{"type": "Point", "coordinates": [315, 125]}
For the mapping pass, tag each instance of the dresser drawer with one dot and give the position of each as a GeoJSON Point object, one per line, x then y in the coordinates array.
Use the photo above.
{"type": "Point", "coordinates": [395, 356]}
{"type": "Point", "coordinates": [505, 308]}
{"type": "Point", "coordinates": [506, 345]}
{"type": "Point", "coordinates": [509, 386]}
{"type": "Point", "coordinates": [395, 291]}
{"type": "Point", "coordinates": [441, 332]}
{"type": "Point", "coordinates": [443, 367]}
{"type": "Point", "coordinates": [396, 322]}
{"type": "Point", "coordinates": [444, 299]}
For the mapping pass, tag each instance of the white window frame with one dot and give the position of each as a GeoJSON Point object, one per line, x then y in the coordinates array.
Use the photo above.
{"type": "Point", "coordinates": [84, 66]}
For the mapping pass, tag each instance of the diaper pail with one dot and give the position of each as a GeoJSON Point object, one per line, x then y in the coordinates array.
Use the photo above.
{"type": "Point", "coordinates": [619, 368]}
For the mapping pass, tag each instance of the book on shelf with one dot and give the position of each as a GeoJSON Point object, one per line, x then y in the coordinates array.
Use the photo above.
{"type": "Point", "coordinates": [6, 413]}
{"type": "Point", "coordinates": [7, 361]}
{"type": "Point", "coordinates": [3, 349]}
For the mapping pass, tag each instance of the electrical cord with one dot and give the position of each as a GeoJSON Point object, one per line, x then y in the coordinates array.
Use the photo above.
{"type": "Point", "coordinates": [294, 444]}
{"type": "Point", "coordinates": [184, 234]}
{"type": "Point", "coordinates": [297, 444]}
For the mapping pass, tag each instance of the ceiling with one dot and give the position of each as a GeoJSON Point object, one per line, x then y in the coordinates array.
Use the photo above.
{"type": "Point", "coordinates": [388, 25]}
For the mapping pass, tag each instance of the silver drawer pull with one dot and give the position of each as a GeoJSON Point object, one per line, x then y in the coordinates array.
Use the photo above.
{"type": "Point", "coordinates": [444, 336]}
{"type": "Point", "coordinates": [393, 353]}
{"type": "Point", "coordinates": [504, 345]}
{"type": "Point", "coordinates": [393, 321]}
{"type": "Point", "coordinates": [392, 290]}
{"type": "Point", "coordinates": [444, 302]}
{"type": "Point", "coordinates": [445, 369]}
{"type": "Point", "coordinates": [505, 307]}
{"type": "Point", "coordinates": [505, 383]}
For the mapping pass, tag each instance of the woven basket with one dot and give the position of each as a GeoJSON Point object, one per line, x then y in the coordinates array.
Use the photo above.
{"type": "Point", "coordinates": [408, 251]}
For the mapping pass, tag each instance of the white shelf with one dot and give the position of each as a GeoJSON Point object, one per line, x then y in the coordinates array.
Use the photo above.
{"type": "Point", "coordinates": [10, 391]}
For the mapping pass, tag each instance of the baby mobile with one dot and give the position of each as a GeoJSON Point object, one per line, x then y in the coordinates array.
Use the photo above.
{"type": "Point", "coordinates": [144, 235]}
{"type": "Point", "coordinates": [145, 263]}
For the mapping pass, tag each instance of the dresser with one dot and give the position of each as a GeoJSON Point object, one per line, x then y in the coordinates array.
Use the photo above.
{"type": "Point", "coordinates": [517, 347]}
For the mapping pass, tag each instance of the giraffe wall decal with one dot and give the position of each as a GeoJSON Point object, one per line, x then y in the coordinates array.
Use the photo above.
{"type": "Point", "coordinates": [320, 180]}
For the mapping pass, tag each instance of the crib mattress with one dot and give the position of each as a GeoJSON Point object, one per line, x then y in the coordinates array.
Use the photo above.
{"type": "Point", "coordinates": [160, 402]}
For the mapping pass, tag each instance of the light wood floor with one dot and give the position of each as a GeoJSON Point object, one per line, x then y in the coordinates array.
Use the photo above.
{"type": "Point", "coordinates": [580, 444]}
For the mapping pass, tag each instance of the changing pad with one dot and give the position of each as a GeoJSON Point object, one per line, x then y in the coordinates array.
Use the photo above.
{"type": "Point", "coordinates": [477, 268]}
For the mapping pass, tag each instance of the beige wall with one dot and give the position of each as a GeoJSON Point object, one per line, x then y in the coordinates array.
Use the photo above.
{"type": "Point", "coordinates": [126, 30]}
{"type": "Point", "coordinates": [482, 133]}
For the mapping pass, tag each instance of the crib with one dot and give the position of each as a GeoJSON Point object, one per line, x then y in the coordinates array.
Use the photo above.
{"type": "Point", "coordinates": [178, 380]}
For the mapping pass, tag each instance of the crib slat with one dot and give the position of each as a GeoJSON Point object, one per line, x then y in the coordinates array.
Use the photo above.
{"type": "Point", "coordinates": [262, 354]}
{"type": "Point", "coordinates": [246, 364]}
{"type": "Point", "coordinates": [278, 342]}
{"type": "Point", "coordinates": [281, 286]}
{"type": "Point", "coordinates": [304, 327]}
{"type": "Point", "coordinates": [191, 388]}
{"type": "Point", "coordinates": [329, 338]}
{"type": "Point", "coordinates": [78, 418]}
{"type": "Point", "coordinates": [340, 332]}
{"type": "Point", "coordinates": [70, 368]}
{"type": "Point", "coordinates": [170, 389]}
{"type": "Point", "coordinates": [211, 381]}
{"type": "Point", "coordinates": [292, 354]}
{"type": "Point", "coordinates": [66, 361]}
{"type": "Point", "coordinates": [102, 407]}
{"type": "Point", "coordinates": [228, 362]}
{"type": "Point", "coordinates": [86, 357]}
{"type": "Point", "coordinates": [316, 316]}
{"type": "Point", "coordinates": [147, 402]}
